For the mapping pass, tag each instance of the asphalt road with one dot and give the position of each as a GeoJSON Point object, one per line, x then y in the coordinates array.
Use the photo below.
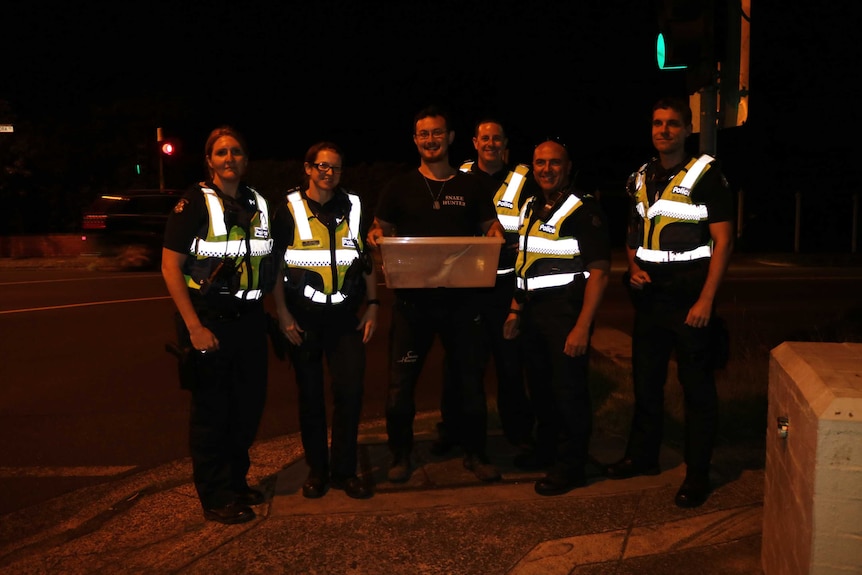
{"type": "Point", "coordinates": [89, 393]}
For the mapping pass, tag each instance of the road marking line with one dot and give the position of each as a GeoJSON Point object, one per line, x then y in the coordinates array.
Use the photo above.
{"type": "Point", "coordinates": [105, 471]}
{"type": "Point", "coordinates": [73, 305]}
{"type": "Point", "coordinates": [83, 279]}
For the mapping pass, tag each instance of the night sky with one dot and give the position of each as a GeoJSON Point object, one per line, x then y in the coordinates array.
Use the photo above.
{"type": "Point", "coordinates": [288, 74]}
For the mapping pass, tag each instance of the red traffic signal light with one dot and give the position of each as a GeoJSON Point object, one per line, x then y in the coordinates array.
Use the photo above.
{"type": "Point", "coordinates": [168, 148]}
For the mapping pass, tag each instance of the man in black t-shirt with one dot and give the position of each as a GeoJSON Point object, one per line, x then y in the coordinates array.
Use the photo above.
{"type": "Point", "coordinates": [435, 200]}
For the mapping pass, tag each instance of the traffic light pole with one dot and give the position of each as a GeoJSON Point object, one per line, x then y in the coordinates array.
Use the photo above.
{"type": "Point", "coordinates": [161, 159]}
{"type": "Point", "coordinates": [708, 119]}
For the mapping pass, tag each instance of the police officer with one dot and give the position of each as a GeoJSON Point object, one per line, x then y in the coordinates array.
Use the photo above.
{"type": "Point", "coordinates": [327, 275]}
{"type": "Point", "coordinates": [562, 271]}
{"type": "Point", "coordinates": [679, 245]}
{"type": "Point", "coordinates": [217, 267]}
{"type": "Point", "coordinates": [510, 188]}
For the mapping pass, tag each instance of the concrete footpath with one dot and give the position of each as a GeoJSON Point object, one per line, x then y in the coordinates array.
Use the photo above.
{"type": "Point", "coordinates": [442, 521]}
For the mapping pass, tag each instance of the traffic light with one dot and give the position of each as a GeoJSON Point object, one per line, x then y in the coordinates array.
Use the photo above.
{"type": "Point", "coordinates": [687, 39]}
{"type": "Point", "coordinates": [168, 148]}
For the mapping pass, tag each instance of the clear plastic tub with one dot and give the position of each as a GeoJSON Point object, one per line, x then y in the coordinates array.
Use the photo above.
{"type": "Point", "coordinates": [430, 262]}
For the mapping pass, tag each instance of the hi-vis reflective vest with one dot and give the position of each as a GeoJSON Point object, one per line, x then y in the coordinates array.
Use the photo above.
{"type": "Point", "coordinates": [317, 250]}
{"type": "Point", "coordinates": [221, 243]}
{"type": "Point", "coordinates": [674, 206]}
{"type": "Point", "coordinates": [506, 201]}
{"type": "Point", "coordinates": [545, 259]}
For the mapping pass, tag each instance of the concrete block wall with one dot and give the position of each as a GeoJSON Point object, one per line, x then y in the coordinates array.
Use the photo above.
{"type": "Point", "coordinates": [812, 512]}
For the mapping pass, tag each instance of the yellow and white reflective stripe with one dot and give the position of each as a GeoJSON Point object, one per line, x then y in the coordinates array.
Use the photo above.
{"type": "Point", "coordinates": [231, 248]}
{"type": "Point", "coordinates": [204, 248]}
{"type": "Point", "coordinates": [514, 182]}
{"type": "Point", "coordinates": [465, 167]}
{"type": "Point", "coordinates": [641, 177]}
{"type": "Point", "coordinates": [216, 212]}
{"type": "Point", "coordinates": [320, 297]}
{"type": "Point", "coordinates": [537, 245]}
{"type": "Point", "coordinates": [695, 171]}
{"type": "Point", "coordinates": [263, 206]}
{"type": "Point", "coordinates": [564, 209]}
{"type": "Point", "coordinates": [548, 281]}
{"type": "Point", "coordinates": [678, 210]}
{"type": "Point", "coordinates": [318, 258]}
{"type": "Point", "coordinates": [506, 271]}
{"type": "Point", "coordinates": [509, 223]}
{"type": "Point", "coordinates": [302, 227]}
{"type": "Point", "coordinates": [661, 256]}
{"type": "Point", "coordinates": [353, 222]}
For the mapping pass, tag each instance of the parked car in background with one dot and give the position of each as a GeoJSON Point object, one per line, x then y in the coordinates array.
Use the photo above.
{"type": "Point", "coordinates": [128, 226]}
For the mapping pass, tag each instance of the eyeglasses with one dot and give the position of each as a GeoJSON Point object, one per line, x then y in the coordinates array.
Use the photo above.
{"type": "Point", "coordinates": [325, 167]}
{"type": "Point", "coordinates": [436, 134]}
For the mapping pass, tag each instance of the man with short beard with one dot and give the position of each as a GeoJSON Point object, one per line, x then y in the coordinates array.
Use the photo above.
{"type": "Point", "coordinates": [435, 200]}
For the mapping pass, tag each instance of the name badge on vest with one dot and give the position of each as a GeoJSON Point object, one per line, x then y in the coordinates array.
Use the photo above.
{"type": "Point", "coordinates": [348, 242]}
{"type": "Point", "coordinates": [309, 243]}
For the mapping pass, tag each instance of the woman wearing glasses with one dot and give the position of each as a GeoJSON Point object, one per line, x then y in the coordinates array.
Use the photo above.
{"type": "Point", "coordinates": [327, 275]}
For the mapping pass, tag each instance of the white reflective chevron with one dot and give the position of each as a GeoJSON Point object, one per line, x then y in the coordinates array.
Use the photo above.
{"type": "Point", "coordinates": [661, 256]}
{"type": "Point", "coordinates": [320, 297]}
{"type": "Point", "coordinates": [232, 248]}
{"type": "Point", "coordinates": [539, 245]}
{"type": "Point", "coordinates": [678, 210]}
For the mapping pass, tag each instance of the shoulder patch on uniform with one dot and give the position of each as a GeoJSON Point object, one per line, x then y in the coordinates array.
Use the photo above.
{"type": "Point", "coordinates": [181, 205]}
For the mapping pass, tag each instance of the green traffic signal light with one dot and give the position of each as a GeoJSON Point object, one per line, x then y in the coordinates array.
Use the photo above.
{"type": "Point", "coordinates": [661, 53]}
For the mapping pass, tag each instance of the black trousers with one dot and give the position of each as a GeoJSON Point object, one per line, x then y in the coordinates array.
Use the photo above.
{"type": "Point", "coordinates": [659, 331]}
{"type": "Point", "coordinates": [227, 405]}
{"type": "Point", "coordinates": [513, 403]}
{"type": "Point", "coordinates": [331, 336]}
{"type": "Point", "coordinates": [558, 383]}
{"type": "Point", "coordinates": [415, 324]}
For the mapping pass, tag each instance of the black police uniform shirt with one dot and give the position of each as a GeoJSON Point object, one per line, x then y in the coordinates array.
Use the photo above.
{"type": "Point", "coordinates": [408, 204]}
